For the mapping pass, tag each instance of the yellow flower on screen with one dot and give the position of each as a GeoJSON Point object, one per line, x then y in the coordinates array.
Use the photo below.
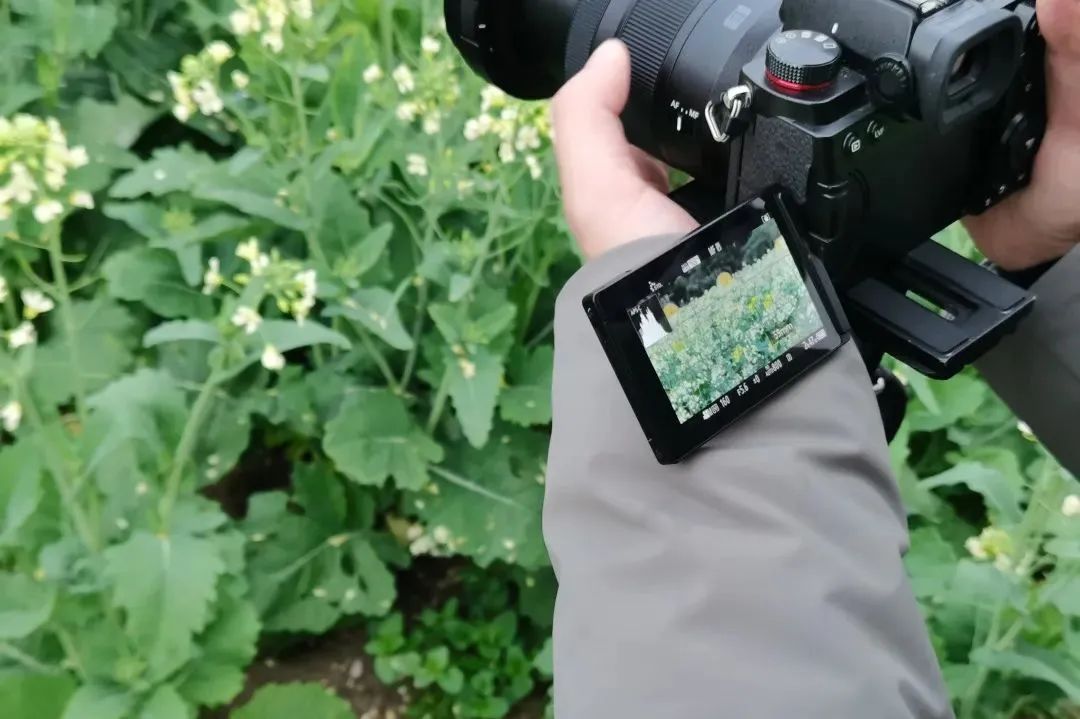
{"type": "Point", "coordinates": [671, 310]}
{"type": "Point", "coordinates": [780, 245]}
{"type": "Point", "coordinates": [725, 279]}
{"type": "Point", "coordinates": [737, 355]}
{"type": "Point", "coordinates": [752, 304]}
{"type": "Point", "coordinates": [768, 301]}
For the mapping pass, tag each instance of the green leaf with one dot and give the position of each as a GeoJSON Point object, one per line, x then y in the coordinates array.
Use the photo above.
{"type": "Point", "coordinates": [99, 701]}
{"type": "Point", "coordinates": [474, 389]}
{"type": "Point", "coordinates": [1002, 496]}
{"type": "Point", "coordinates": [248, 184]}
{"type": "Point", "coordinates": [146, 218]}
{"type": "Point", "coordinates": [182, 331]}
{"type": "Point", "coordinates": [287, 335]}
{"type": "Point", "coordinates": [931, 562]}
{"type": "Point", "coordinates": [25, 605]}
{"type": "Point", "coordinates": [943, 404]}
{"type": "Point", "coordinates": [457, 324]}
{"type": "Point", "coordinates": [101, 125]}
{"type": "Point", "coordinates": [169, 170]}
{"type": "Point", "coordinates": [1027, 660]}
{"type": "Point", "coordinates": [20, 489]}
{"type": "Point", "coordinates": [376, 310]}
{"type": "Point", "coordinates": [35, 696]}
{"type": "Point", "coordinates": [153, 278]}
{"type": "Point", "coordinates": [134, 422]}
{"type": "Point", "coordinates": [105, 336]}
{"type": "Point", "coordinates": [344, 228]}
{"type": "Point", "coordinates": [373, 438]}
{"type": "Point", "coordinates": [226, 647]}
{"type": "Point", "coordinates": [527, 401]}
{"type": "Point", "coordinates": [166, 587]}
{"type": "Point", "coordinates": [165, 703]}
{"type": "Point", "coordinates": [90, 29]}
{"type": "Point", "coordinates": [289, 701]}
{"type": "Point", "coordinates": [490, 511]}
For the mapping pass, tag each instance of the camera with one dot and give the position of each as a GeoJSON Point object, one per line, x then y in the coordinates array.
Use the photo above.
{"type": "Point", "coordinates": [884, 121]}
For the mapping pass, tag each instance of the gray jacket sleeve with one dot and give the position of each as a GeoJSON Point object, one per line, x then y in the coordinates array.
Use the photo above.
{"type": "Point", "coordinates": [761, 579]}
{"type": "Point", "coordinates": [1037, 370]}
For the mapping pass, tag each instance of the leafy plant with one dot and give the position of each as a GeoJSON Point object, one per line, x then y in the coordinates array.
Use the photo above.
{"type": "Point", "coordinates": [471, 657]}
{"type": "Point", "coordinates": [290, 255]}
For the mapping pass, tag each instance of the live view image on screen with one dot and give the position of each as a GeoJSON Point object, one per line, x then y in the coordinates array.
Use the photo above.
{"type": "Point", "coordinates": [736, 310]}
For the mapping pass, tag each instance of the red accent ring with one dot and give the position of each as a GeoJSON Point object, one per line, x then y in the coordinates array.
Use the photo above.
{"type": "Point", "coordinates": [794, 86]}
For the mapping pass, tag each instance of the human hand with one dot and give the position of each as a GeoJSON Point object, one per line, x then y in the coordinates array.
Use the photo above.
{"type": "Point", "coordinates": [613, 192]}
{"type": "Point", "coordinates": [1042, 222]}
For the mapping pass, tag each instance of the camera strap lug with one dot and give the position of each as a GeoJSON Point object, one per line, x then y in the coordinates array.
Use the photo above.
{"type": "Point", "coordinates": [726, 119]}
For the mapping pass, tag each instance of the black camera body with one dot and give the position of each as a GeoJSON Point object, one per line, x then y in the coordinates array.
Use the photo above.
{"type": "Point", "coordinates": [884, 121]}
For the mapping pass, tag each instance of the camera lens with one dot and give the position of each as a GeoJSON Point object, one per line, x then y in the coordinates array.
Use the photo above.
{"type": "Point", "coordinates": [685, 53]}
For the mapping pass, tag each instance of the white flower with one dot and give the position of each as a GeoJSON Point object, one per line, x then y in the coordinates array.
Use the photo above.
{"type": "Point", "coordinates": [975, 548]}
{"type": "Point", "coordinates": [528, 138]}
{"type": "Point", "coordinates": [207, 98]}
{"type": "Point", "coordinates": [533, 163]}
{"type": "Point", "coordinates": [212, 279]}
{"type": "Point", "coordinates": [250, 252]}
{"type": "Point", "coordinates": [219, 52]}
{"type": "Point", "coordinates": [142, 489]}
{"type": "Point", "coordinates": [432, 123]}
{"type": "Point", "coordinates": [47, 211]}
{"type": "Point", "coordinates": [247, 318]}
{"type": "Point", "coordinates": [441, 535]}
{"type": "Point", "coordinates": [492, 97]}
{"type": "Point", "coordinates": [181, 112]}
{"type": "Point", "coordinates": [245, 21]}
{"type": "Point", "coordinates": [35, 303]}
{"type": "Point", "coordinates": [21, 186]}
{"type": "Point", "coordinates": [373, 74]}
{"type": "Point", "coordinates": [1071, 506]}
{"type": "Point", "coordinates": [272, 359]}
{"type": "Point", "coordinates": [82, 199]}
{"type": "Point", "coordinates": [21, 336]}
{"type": "Point", "coordinates": [1003, 563]}
{"type": "Point", "coordinates": [11, 416]}
{"type": "Point", "coordinates": [429, 45]}
{"type": "Point", "coordinates": [416, 165]}
{"type": "Point", "coordinates": [1025, 429]}
{"type": "Point", "coordinates": [472, 130]}
{"type": "Point", "coordinates": [273, 41]}
{"type": "Point", "coordinates": [404, 78]}
{"type": "Point", "coordinates": [77, 157]}
{"type": "Point", "coordinates": [468, 369]}
{"type": "Point", "coordinates": [3, 289]}
{"type": "Point", "coordinates": [464, 187]}
{"type": "Point", "coordinates": [506, 153]}
{"type": "Point", "coordinates": [240, 79]}
{"type": "Point", "coordinates": [302, 9]}
{"type": "Point", "coordinates": [406, 111]}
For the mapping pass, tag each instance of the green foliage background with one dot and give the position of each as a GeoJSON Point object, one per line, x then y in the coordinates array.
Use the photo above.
{"type": "Point", "coordinates": [155, 358]}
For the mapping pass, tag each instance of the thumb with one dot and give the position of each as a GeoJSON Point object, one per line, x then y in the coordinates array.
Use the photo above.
{"type": "Point", "coordinates": [590, 143]}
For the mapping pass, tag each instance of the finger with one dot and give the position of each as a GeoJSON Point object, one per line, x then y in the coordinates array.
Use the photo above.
{"type": "Point", "coordinates": [590, 142]}
{"type": "Point", "coordinates": [1059, 21]}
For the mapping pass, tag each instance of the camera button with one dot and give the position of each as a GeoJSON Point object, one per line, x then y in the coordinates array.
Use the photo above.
{"type": "Point", "coordinates": [875, 130]}
{"type": "Point", "coordinates": [853, 144]}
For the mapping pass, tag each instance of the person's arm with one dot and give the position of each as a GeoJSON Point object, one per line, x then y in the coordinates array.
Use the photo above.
{"type": "Point", "coordinates": [1037, 370]}
{"type": "Point", "coordinates": [760, 579]}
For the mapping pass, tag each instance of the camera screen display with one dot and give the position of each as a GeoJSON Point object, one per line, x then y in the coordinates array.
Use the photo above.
{"type": "Point", "coordinates": [729, 320]}
{"type": "Point", "coordinates": [717, 323]}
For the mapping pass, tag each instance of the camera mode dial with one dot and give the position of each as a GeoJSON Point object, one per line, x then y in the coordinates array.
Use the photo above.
{"type": "Point", "coordinates": [802, 60]}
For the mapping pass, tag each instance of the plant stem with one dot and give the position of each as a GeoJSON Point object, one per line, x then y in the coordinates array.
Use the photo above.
{"type": "Point", "coordinates": [305, 154]}
{"type": "Point", "coordinates": [65, 486]}
{"type": "Point", "coordinates": [379, 359]}
{"type": "Point", "coordinates": [27, 661]}
{"type": "Point", "coordinates": [418, 327]}
{"type": "Point", "coordinates": [440, 401]}
{"type": "Point", "coordinates": [67, 318]}
{"type": "Point", "coordinates": [186, 447]}
{"type": "Point", "coordinates": [1048, 486]}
